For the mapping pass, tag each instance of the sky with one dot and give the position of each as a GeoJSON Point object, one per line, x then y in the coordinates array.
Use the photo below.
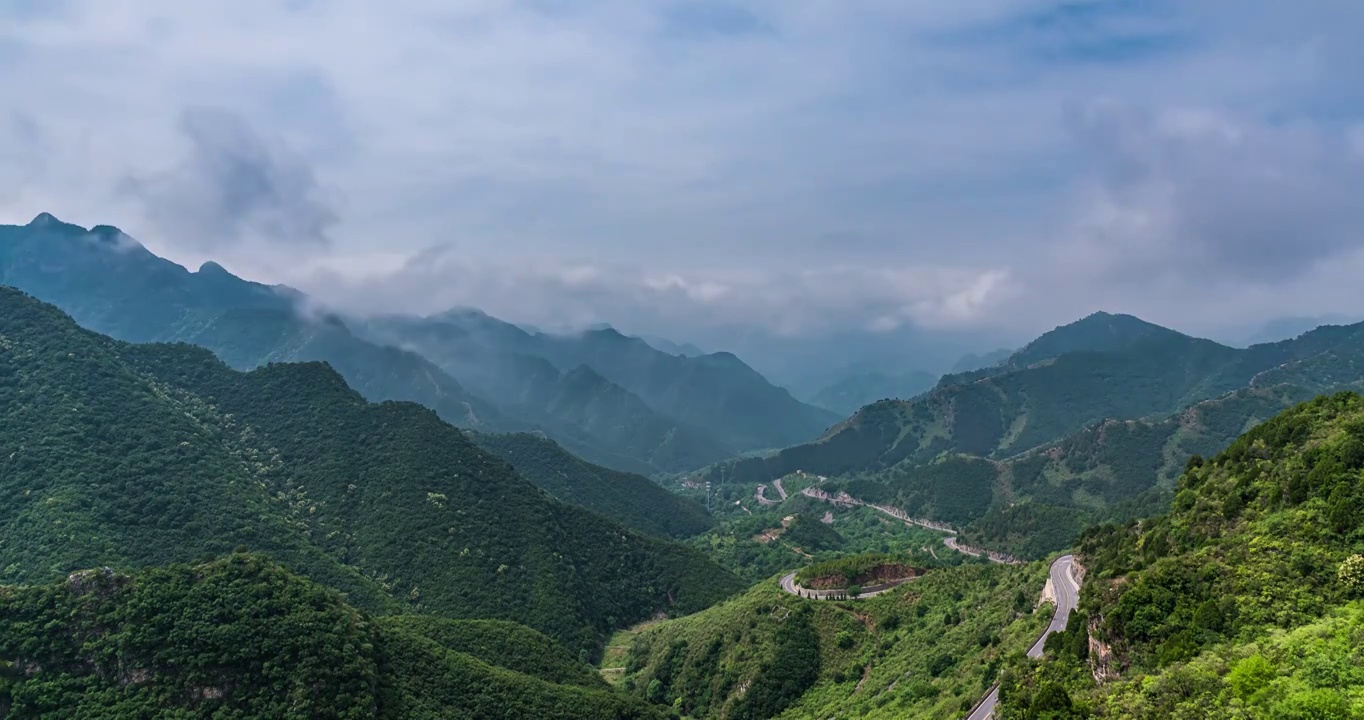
{"type": "Point", "coordinates": [711, 168]}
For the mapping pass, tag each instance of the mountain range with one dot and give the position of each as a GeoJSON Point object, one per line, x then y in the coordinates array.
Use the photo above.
{"type": "Point", "coordinates": [135, 455]}
{"type": "Point", "coordinates": [611, 399]}
{"type": "Point", "coordinates": [1088, 416]}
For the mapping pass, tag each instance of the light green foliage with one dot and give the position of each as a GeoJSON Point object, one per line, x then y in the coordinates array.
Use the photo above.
{"type": "Point", "coordinates": [890, 656]}
{"type": "Point", "coordinates": [1238, 602]}
{"type": "Point", "coordinates": [1352, 574]}
{"type": "Point", "coordinates": [735, 544]}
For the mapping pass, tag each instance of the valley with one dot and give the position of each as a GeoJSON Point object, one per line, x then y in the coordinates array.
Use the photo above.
{"type": "Point", "coordinates": [681, 360]}
{"type": "Point", "coordinates": [922, 558]}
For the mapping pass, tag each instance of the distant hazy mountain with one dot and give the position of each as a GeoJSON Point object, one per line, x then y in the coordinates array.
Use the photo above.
{"type": "Point", "coordinates": [860, 389]}
{"type": "Point", "coordinates": [672, 412]}
{"type": "Point", "coordinates": [112, 285]}
{"type": "Point", "coordinates": [972, 361]}
{"type": "Point", "coordinates": [613, 400]}
{"type": "Point", "coordinates": [1090, 414]}
{"type": "Point", "coordinates": [1291, 327]}
{"type": "Point", "coordinates": [672, 348]}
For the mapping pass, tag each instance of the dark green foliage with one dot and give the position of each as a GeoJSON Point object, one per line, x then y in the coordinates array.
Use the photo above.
{"type": "Point", "coordinates": [243, 638]}
{"type": "Point", "coordinates": [957, 489]}
{"type": "Point", "coordinates": [1027, 530]}
{"type": "Point", "coordinates": [629, 499]}
{"type": "Point", "coordinates": [133, 456]}
{"type": "Point", "coordinates": [501, 644]}
{"type": "Point", "coordinates": [809, 534]}
{"type": "Point", "coordinates": [793, 669]}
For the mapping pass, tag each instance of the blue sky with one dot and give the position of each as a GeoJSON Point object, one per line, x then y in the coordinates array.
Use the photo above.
{"type": "Point", "coordinates": [791, 166]}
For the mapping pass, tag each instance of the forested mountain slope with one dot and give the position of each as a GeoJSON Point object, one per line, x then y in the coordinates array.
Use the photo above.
{"type": "Point", "coordinates": [243, 637]}
{"type": "Point", "coordinates": [1153, 377]}
{"type": "Point", "coordinates": [612, 400]}
{"type": "Point", "coordinates": [111, 284]}
{"type": "Point", "coordinates": [631, 500]}
{"type": "Point", "coordinates": [715, 396]}
{"type": "Point", "coordinates": [1029, 490]}
{"type": "Point", "coordinates": [928, 649]}
{"type": "Point", "coordinates": [136, 455]}
{"type": "Point", "coordinates": [1243, 601]}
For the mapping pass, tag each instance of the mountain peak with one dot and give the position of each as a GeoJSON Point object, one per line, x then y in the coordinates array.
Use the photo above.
{"type": "Point", "coordinates": [1096, 332]}
{"type": "Point", "coordinates": [48, 221]}
{"type": "Point", "coordinates": [212, 268]}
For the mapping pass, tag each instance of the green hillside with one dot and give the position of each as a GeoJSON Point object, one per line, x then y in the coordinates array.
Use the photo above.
{"type": "Point", "coordinates": [613, 400]}
{"type": "Point", "coordinates": [112, 285]}
{"type": "Point", "coordinates": [631, 500]}
{"type": "Point", "coordinates": [1079, 438]}
{"type": "Point", "coordinates": [1243, 601]}
{"type": "Point", "coordinates": [139, 455]}
{"type": "Point", "coordinates": [929, 649]}
{"type": "Point", "coordinates": [244, 638]}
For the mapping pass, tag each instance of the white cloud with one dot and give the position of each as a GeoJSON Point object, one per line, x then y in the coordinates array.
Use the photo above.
{"type": "Point", "coordinates": [796, 164]}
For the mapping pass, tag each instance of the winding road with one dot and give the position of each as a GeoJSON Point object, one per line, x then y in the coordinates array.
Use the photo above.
{"type": "Point", "coordinates": [788, 583]}
{"type": "Point", "coordinates": [1067, 592]}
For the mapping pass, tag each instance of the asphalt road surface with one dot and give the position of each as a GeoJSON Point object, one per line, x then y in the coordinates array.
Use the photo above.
{"type": "Point", "coordinates": [1067, 596]}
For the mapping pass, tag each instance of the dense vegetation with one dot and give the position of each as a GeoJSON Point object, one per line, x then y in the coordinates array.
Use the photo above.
{"type": "Point", "coordinates": [1243, 601]}
{"type": "Point", "coordinates": [613, 400]}
{"type": "Point", "coordinates": [140, 455]}
{"type": "Point", "coordinates": [1099, 430]}
{"type": "Point", "coordinates": [928, 649]}
{"type": "Point", "coordinates": [776, 539]}
{"type": "Point", "coordinates": [629, 499]}
{"type": "Point", "coordinates": [244, 638]}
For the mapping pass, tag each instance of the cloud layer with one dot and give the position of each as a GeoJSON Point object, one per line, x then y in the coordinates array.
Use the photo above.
{"type": "Point", "coordinates": [795, 166]}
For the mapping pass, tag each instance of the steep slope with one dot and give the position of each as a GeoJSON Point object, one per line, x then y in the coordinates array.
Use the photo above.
{"type": "Point", "coordinates": [916, 652]}
{"type": "Point", "coordinates": [1010, 412]}
{"type": "Point", "coordinates": [716, 392]}
{"type": "Point", "coordinates": [111, 284]}
{"type": "Point", "coordinates": [861, 389]}
{"type": "Point", "coordinates": [1129, 468]}
{"type": "Point", "coordinates": [136, 455]}
{"type": "Point", "coordinates": [971, 361]}
{"type": "Point", "coordinates": [1017, 410]}
{"type": "Point", "coordinates": [629, 499]}
{"type": "Point", "coordinates": [243, 637]}
{"type": "Point", "coordinates": [1241, 602]}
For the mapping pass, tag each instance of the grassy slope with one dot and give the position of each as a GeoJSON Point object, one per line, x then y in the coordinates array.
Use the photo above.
{"type": "Point", "coordinates": [929, 649]}
{"type": "Point", "coordinates": [1249, 552]}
